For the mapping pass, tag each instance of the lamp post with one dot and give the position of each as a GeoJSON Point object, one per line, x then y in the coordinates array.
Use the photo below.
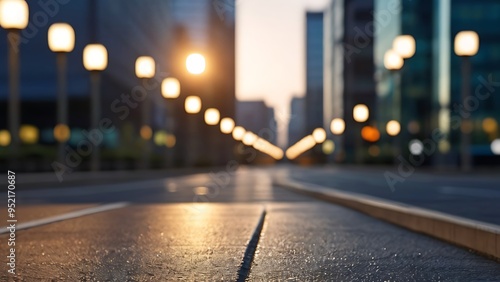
{"type": "Point", "coordinates": [192, 105]}
{"type": "Point", "coordinates": [145, 69]}
{"type": "Point", "coordinates": [170, 89]}
{"type": "Point", "coordinates": [337, 127]}
{"type": "Point", "coordinates": [360, 114]}
{"type": "Point", "coordinates": [14, 15]}
{"type": "Point", "coordinates": [403, 47]}
{"type": "Point", "coordinates": [95, 60]}
{"type": "Point", "coordinates": [195, 65]}
{"type": "Point", "coordinates": [466, 46]}
{"type": "Point", "coordinates": [61, 38]}
{"type": "Point", "coordinates": [393, 62]}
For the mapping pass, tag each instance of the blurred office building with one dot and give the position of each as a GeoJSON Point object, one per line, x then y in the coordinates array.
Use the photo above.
{"type": "Point", "coordinates": [297, 122]}
{"type": "Point", "coordinates": [128, 29]}
{"type": "Point", "coordinates": [430, 81]}
{"type": "Point", "coordinates": [349, 70]}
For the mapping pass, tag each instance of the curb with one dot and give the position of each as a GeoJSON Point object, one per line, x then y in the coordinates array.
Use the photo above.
{"type": "Point", "coordinates": [480, 237]}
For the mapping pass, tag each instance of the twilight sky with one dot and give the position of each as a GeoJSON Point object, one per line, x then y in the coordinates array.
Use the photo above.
{"type": "Point", "coordinates": [270, 52]}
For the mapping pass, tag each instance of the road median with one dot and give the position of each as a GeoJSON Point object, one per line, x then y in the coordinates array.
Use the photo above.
{"type": "Point", "coordinates": [480, 237]}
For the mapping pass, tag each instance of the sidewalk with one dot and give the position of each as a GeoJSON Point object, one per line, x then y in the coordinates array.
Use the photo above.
{"type": "Point", "coordinates": [77, 178]}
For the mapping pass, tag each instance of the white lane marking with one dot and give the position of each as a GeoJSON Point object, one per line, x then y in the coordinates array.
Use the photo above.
{"type": "Point", "coordinates": [474, 192]}
{"type": "Point", "coordinates": [66, 216]}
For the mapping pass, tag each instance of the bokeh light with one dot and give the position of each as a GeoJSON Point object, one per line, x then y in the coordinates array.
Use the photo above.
{"type": "Point", "coordinates": [170, 88]}
{"type": "Point", "coordinates": [195, 63]}
{"type": "Point", "coordinates": [490, 125]}
{"type": "Point", "coordinates": [192, 104]}
{"type": "Point", "coordinates": [328, 147]}
{"type": "Point", "coordinates": [337, 126]}
{"type": "Point", "coordinates": [370, 133]}
{"type": "Point", "coordinates": [319, 135]}
{"type": "Point", "coordinates": [62, 133]}
{"type": "Point", "coordinates": [226, 125]}
{"type": "Point", "coordinates": [212, 116]}
{"type": "Point", "coordinates": [5, 138]}
{"type": "Point", "coordinates": [393, 128]}
{"type": "Point", "coordinates": [416, 147]}
{"type": "Point", "coordinates": [238, 133]}
{"type": "Point", "coordinates": [146, 132]}
{"type": "Point", "coordinates": [29, 134]}
{"type": "Point", "coordinates": [361, 113]}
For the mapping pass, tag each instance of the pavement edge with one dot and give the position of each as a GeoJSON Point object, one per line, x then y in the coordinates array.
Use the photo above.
{"type": "Point", "coordinates": [483, 238]}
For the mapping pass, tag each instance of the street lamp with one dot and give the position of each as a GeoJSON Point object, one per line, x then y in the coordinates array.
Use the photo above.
{"type": "Point", "coordinates": [14, 16]}
{"type": "Point", "coordinates": [393, 128]}
{"type": "Point", "coordinates": [249, 138]}
{"type": "Point", "coordinates": [212, 116]}
{"type": "Point", "coordinates": [360, 113]}
{"type": "Point", "coordinates": [195, 63]}
{"type": "Point", "coordinates": [319, 135]}
{"type": "Point", "coordinates": [170, 89]}
{"type": "Point", "coordinates": [95, 60]}
{"type": "Point", "coordinates": [226, 125]}
{"type": "Point", "coordinates": [337, 126]}
{"type": "Point", "coordinates": [145, 69]}
{"type": "Point", "coordinates": [61, 38]}
{"type": "Point", "coordinates": [238, 133]}
{"type": "Point", "coordinates": [404, 46]}
{"type": "Point", "coordinates": [192, 104]}
{"type": "Point", "coordinates": [466, 46]}
{"type": "Point", "coordinates": [393, 62]}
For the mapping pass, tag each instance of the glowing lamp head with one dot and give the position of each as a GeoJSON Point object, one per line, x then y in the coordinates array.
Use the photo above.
{"type": "Point", "coordinates": [192, 105]}
{"type": "Point", "coordinates": [495, 146]}
{"type": "Point", "coordinates": [238, 133]}
{"type": "Point", "coordinates": [392, 60]}
{"type": "Point", "coordinates": [170, 88]}
{"type": "Point", "coordinates": [404, 46]}
{"type": "Point", "coordinates": [319, 135]}
{"type": "Point", "coordinates": [62, 133]}
{"type": "Point", "coordinates": [212, 116]}
{"type": "Point", "coordinates": [5, 138]}
{"type": "Point", "coordinates": [416, 147]}
{"type": "Point", "coordinates": [249, 138]}
{"type": "Point", "coordinates": [370, 133]}
{"type": "Point", "coordinates": [28, 134]}
{"type": "Point", "coordinates": [61, 37]}
{"type": "Point", "coordinates": [393, 128]}
{"type": "Point", "coordinates": [226, 125]}
{"type": "Point", "coordinates": [14, 14]}
{"type": "Point", "coordinates": [145, 67]}
{"type": "Point", "coordinates": [360, 113]}
{"type": "Point", "coordinates": [146, 132]}
{"type": "Point", "coordinates": [170, 140]}
{"type": "Point", "coordinates": [95, 57]}
{"type": "Point", "coordinates": [195, 64]}
{"type": "Point", "coordinates": [466, 43]}
{"type": "Point", "coordinates": [337, 126]}
{"type": "Point", "coordinates": [328, 147]}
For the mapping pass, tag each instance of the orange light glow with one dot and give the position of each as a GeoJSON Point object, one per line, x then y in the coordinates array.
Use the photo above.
{"type": "Point", "coordinates": [370, 134]}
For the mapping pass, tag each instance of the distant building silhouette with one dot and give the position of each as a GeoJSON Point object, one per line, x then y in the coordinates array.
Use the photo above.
{"type": "Point", "coordinates": [257, 117]}
{"type": "Point", "coordinates": [297, 122]}
{"type": "Point", "coordinates": [314, 71]}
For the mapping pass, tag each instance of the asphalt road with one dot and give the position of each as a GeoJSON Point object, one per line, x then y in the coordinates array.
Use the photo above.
{"type": "Point", "coordinates": [205, 227]}
{"type": "Point", "coordinates": [473, 195]}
